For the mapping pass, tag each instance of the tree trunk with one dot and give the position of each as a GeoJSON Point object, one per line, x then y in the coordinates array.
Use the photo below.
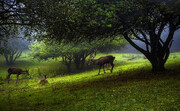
{"type": "Point", "coordinates": [158, 61]}
{"type": "Point", "coordinates": [68, 67]}
{"type": "Point", "coordinates": [77, 61]}
{"type": "Point", "coordinates": [67, 61]}
{"type": "Point", "coordinates": [157, 51]}
{"type": "Point", "coordinates": [157, 66]}
{"type": "Point", "coordinates": [82, 63]}
{"type": "Point", "coordinates": [7, 60]}
{"type": "Point", "coordinates": [77, 65]}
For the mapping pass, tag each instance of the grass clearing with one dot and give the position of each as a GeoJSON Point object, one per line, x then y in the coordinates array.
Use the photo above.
{"type": "Point", "coordinates": [131, 86]}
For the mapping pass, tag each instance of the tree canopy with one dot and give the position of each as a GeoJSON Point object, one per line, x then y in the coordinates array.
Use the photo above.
{"type": "Point", "coordinates": [76, 20]}
{"type": "Point", "coordinates": [71, 52]}
{"type": "Point", "coordinates": [145, 21]}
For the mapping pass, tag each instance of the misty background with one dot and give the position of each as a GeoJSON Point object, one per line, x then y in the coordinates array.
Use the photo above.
{"type": "Point", "coordinates": [127, 48]}
{"type": "Point", "coordinates": [174, 48]}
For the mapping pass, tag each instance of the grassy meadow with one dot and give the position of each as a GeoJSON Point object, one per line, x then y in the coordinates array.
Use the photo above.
{"type": "Point", "coordinates": [131, 87]}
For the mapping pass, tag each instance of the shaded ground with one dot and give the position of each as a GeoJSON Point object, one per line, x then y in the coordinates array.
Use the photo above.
{"type": "Point", "coordinates": [131, 86]}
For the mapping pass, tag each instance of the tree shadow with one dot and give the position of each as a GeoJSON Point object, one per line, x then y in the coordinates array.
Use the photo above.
{"type": "Point", "coordinates": [125, 78]}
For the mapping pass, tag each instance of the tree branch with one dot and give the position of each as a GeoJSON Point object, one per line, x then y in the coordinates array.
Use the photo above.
{"type": "Point", "coordinates": [146, 39]}
{"type": "Point", "coordinates": [161, 28]}
{"type": "Point", "coordinates": [133, 44]}
{"type": "Point", "coordinates": [170, 36]}
{"type": "Point", "coordinates": [161, 41]}
{"type": "Point", "coordinates": [146, 42]}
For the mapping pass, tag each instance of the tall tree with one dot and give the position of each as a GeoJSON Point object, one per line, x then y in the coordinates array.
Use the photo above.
{"type": "Point", "coordinates": [13, 46]}
{"type": "Point", "coordinates": [145, 20]}
{"type": "Point", "coordinates": [12, 49]}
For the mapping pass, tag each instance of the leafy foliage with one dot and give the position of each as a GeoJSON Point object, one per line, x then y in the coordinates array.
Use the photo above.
{"type": "Point", "coordinates": [71, 52]}
{"type": "Point", "coordinates": [145, 20]}
{"type": "Point", "coordinates": [72, 20]}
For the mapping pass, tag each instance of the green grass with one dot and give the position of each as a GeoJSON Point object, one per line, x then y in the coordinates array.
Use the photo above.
{"type": "Point", "coordinates": [131, 86]}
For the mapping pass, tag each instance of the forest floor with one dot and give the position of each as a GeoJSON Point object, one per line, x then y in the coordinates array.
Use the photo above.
{"type": "Point", "coordinates": [131, 86]}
